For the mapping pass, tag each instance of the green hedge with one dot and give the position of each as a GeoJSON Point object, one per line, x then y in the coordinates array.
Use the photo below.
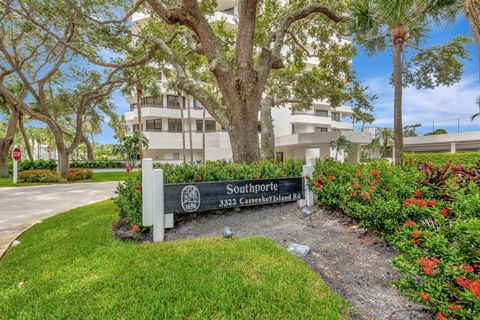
{"type": "Point", "coordinates": [223, 170]}
{"type": "Point", "coordinates": [36, 165]}
{"type": "Point", "coordinates": [468, 159]}
{"type": "Point", "coordinates": [97, 164]}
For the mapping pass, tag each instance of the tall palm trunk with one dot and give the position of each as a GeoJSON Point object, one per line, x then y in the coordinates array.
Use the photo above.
{"type": "Point", "coordinates": [26, 141]}
{"type": "Point", "coordinates": [140, 125]}
{"type": "Point", "coordinates": [190, 132]}
{"type": "Point", "coordinates": [182, 116]}
{"type": "Point", "coordinates": [204, 157]}
{"type": "Point", "coordinates": [398, 42]}
{"type": "Point", "coordinates": [472, 13]}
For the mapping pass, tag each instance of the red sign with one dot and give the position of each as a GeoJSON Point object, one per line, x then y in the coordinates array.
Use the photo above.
{"type": "Point", "coordinates": [17, 154]}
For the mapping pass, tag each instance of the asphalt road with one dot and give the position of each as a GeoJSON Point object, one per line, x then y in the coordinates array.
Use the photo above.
{"type": "Point", "coordinates": [22, 207]}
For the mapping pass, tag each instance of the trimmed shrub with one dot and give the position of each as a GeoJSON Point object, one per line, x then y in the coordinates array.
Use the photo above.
{"type": "Point", "coordinates": [431, 215]}
{"type": "Point", "coordinates": [468, 159]}
{"type": "Point", "coordinates": [129, 200]}
{"type": "Point", "coordinates": [97, 164]}
{"type": "Point", "coordinates": [37, 165]}
{"type": "Point", "coordinates": [77, 174]}
{"type": "Point", "coordinates": [38, 176]}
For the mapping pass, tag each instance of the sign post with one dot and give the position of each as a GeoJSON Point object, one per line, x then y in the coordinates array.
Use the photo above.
{"type": "Point", "coordinates": [16, 155]}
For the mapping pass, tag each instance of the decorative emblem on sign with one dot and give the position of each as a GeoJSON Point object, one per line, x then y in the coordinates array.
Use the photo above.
{"type": "Point", "coordinates": [190, 198]}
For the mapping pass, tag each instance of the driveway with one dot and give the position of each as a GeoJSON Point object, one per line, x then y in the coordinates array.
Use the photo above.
{"type": "Point", "coordinates": [22, 207]}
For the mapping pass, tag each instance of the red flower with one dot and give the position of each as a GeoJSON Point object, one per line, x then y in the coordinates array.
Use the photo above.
{"type": "Point", "coordinates": [357, 174]}
{"type": "Point", "coordinates": [355, 194]}
{"type": "Point", "coordinates": [441, 316]}
{"type": "Point", "coordinates": [428, 265]}
{"type": "Point", "coordinates": [135, 228]}
{"type": "Point", "coordinates": [410, 223]}
{"type": "Point", "coordinates": [375, 181]}
{"type": "Point", "coordinates": [432, 203]}
{"type": "Point", "coordinates": [138, 189]}
{"type": "Point", "coordinates": [317, 185]}
{"type": "Point", "coordinates": [320, 179]}
{"type": "Point", "coordinates": [415, 242]}
{"type": "Point", "coordinates": [128, 168]}
{"type": "Point", "coordinates": [365, 195]}
{"type": "Point", "coordinates": [372, 188]}
{"type": "Point", "coordinates": [422, 203]}
{"type": "Point", "coordinates": [468, 268]}
{"type": "Point", "coordinates": [356, 186]}
{"type": "Point", "coordinates": [425, 296]}
{"type": "Point", "coordinates": [331, 178]}
{"type": "Point", "coordinates": [374, 172]}
{"type": "Point", "coordinates": [306, 177]}
{"type": "Point", "coordinates": [409, 202]}
{"type": "Point", "coordinates": [416, 234]}
{"type": "Point", "coordinates": [444, 212]}
{"type": "Point", "coordinates": [454, 307]}
{"type": "Point", "coordinates": [418, 193]}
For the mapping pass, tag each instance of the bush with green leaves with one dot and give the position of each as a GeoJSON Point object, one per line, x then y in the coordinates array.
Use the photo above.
{"type": "Point", "coordinates": [468, 159]}
{"type": "Point", "coordinates": [129, 199]}
{"type": "Point", "coordinates": [28, 176]}
{"type": "Point", "coordinates": [77, 174]}
{"type": "Point", "coordinates": [430, 215]}
{"type": "Point", "coordinates": [36, 165]}
{"type": "Point", "coordinates": [97, 164]}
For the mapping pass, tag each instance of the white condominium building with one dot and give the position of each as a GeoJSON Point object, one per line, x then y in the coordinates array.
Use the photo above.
{"type": "Point", "coordinates": [297, 134]}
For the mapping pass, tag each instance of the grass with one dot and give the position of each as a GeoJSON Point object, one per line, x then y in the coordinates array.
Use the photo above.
{"type": "Point", "coordinates": [97, 177]}
{"type": "Point", "coordinates": [70, 267]}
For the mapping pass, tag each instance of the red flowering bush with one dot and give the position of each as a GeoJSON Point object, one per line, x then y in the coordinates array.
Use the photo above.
{"type": "Point", "coordinates": [77, 174]}
{"type": "Point", "coordinates": [430, 215]}
{"type": "Point", "coordinates": [38, 176]}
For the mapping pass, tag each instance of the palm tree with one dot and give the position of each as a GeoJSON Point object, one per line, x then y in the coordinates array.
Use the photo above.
{"type": "Point", "coordinates": [399, 24]}
{"type": "Point", "coordinates": [342, 143]}
{"type": "Point", "coordinates": [386, 138]}
{"type": "Point", "coordinates": [476, 115]}
{"type": "Point", "coordinates": [129, 147]}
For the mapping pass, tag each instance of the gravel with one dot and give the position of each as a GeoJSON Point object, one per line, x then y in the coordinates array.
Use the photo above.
{"type": "Point", "coordinates": [353, 262]}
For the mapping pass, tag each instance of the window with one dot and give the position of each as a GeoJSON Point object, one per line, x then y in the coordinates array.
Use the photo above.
{"type": "Point", "coordinates": [153, 101]}
{"type": "Point", "coordinates": [154, 125]}
{"type": "Point", "coordinates": [321, 129]}
{"type": "Point", "coordinates": [135, 128]}
{"type": "Point", "coordinates": [321, 113]}
{"type": "Point", "coordinates": [173, 103]}
{"type": "Point", "coordinates": [337, 130]}
{"type": "Point", "coordinates": [133, 106]}
{"type": "Point", "coordinates": [210, 126]}
{"type": "Point", "coordinates": [293, 129]}
{"type": "Point", "coordinates": [336, 116]}
{"type": "Point", "coordinates": [174, 125]}
{"type": "Point", "coordinates": [197, 104]}
{"type": "Point", "coordinates": [176, 156]}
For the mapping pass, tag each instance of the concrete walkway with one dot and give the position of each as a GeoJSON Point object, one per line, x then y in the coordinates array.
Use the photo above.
{"type": "Point", "coordinates": [22, 207]}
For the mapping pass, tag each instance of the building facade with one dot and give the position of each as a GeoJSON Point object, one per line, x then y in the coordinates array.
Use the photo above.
{"type": "Point", "coordinates": [174, 125]}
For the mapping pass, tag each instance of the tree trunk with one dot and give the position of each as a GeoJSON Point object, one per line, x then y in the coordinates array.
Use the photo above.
{"type": "Point", "coordinates": [243, 135]}
{"type": "Point", "coordinates": [140, 125]}
{"type": "Point", "coordinates": [203, 136]}
{"type": "Point", "coordinates": [397, 104]}
{"type": "Point", "coordinates": [90, 155]}
{"type": "Point", "coordinates": [63, 160]}
{"type": "Point", "coordinates": [190, 132]}
{"type": "Point", "coordinates": [472, 13]}
{"type": "Point", "coordinates": [268, 135]}
{"type": "Point", "coordinates": [7, 141]}
{"type": "Point", "coordinates": [182, 116]}
{"type": "Point", "coordinates": [26, 141]}
{"type": "Point", "coordinates": [363, 126]}
{"type": "Point", "coordinates": [336, 153]}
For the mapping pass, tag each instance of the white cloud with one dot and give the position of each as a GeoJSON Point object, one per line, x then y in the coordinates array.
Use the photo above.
{"type": "Point", "coordinates": [442, 105]}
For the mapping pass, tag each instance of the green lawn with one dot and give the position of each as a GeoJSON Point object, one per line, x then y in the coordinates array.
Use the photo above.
{"type": "Point", "coordinates": [70, 267]}
{"type": "Point", "coordinates": [97, 177]}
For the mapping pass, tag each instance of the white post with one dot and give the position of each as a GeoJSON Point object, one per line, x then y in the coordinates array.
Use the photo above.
{"type": "Point", "coordinates": [308, 171]}
{"type": "Point", "coordinates": [453, 147]}
{"type": "Point", "coordinates": [15, 171]}
{"type": "Point", "coordinates": [158, 209]}
{"type": "Point", "coordinates": [147, 192]}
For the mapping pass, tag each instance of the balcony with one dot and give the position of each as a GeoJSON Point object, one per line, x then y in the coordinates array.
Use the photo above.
{"type": "Point", "coordinates": [173, 140]}
{"type": "Point", "coordinates": [154, 112]}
